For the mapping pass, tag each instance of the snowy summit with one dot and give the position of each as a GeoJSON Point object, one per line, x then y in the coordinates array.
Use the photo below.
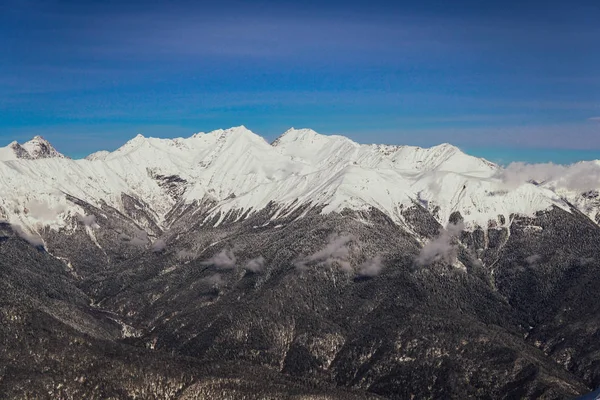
{"type": "Point", "coordinates": [238, 171]}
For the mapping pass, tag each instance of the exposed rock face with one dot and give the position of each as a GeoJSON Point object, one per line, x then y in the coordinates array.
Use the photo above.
{"type": "Point", "coordinates": [38, 147]}
{"type": "Point", "coordinates": [120, 280]}
{"type": "Point", "coordinates": [507, 320]}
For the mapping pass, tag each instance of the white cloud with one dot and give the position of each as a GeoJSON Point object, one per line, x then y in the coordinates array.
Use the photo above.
{"type": "Point", "coordinates": [184, 255]}
{"type": "Point", "coordinates": [158, 245]}
{"type": "Point", "coordinates": [335, 252]}
{"type": "Point", "coordinates": [136, 241]}
{"type": "Point", "coordinates": [581, 176]}
{"type": "Point", "coordinates": [443, 247]}
{"type": "Point", "coordinates": [533, 259]}
{"type": "Point", "coordinates": [215, 280]}
{"type": "Point", "coordinates": [225, 259]}
{"type": "Point", "coordinates": [88, 220]}
{"type": "Point", "coordinates": [371, 267]}
{"type": "Point", "coordinates": [256, 264]}
{"type": "Point", "coordinates": [44, 211]}
{"type": "Point", "coordinates": [140, 239]}
{"type": "Point", "coordinates": [32, 239]}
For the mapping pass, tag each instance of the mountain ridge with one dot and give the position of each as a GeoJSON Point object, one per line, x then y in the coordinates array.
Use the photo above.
{"type": "Point", "coordinates": [241, 171]}
{"type": "Point", "coordinates": [388, 271]}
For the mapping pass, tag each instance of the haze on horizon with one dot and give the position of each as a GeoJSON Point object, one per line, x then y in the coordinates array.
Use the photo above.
{"type": "Point", "coordinates": [506, 81]}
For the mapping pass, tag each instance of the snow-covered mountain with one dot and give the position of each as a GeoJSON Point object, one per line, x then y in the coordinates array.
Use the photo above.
{"type": "Point", "coordinates": [36, 148]}
{"type": "Point", "coordinates": [224, 266]}
{"type": "Point", "coordinates": [238, 171]}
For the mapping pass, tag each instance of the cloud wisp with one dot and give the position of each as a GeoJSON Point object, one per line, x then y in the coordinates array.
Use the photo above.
{"type": "Point", "coordinates": [443, 248]}
{"type": "Point", "coordinates": [336, 251]}
{"type": "Point", "coordinates": [158, 246]}
{"type": "Point", "coordinates": [215, 280]}
{"type": "Point", "coordinates": [44, 211]}
{"type": "Point", "coordinates": [255, 265]}
{"type": "Point", "coordinates": [225, 259]}
{"type": "Point", "coordinates": [371, 268]}
{"type": "Point", "coordinates": [88, 220]}
{"type": "Point", "coordinates": [32, 239]}
{"type": "Point", "coordinates": [581, 176]}
{"type": "Point", "coordinates": [185, 255]}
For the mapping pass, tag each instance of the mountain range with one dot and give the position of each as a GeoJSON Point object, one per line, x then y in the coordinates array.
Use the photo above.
{"type": "Point", "coordinates": [225, 266]}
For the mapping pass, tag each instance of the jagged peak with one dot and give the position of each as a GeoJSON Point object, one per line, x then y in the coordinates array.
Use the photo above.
{"type": "Point", "coordinates": [13, 151]}
{"type": "Point", "coordinates": [38, 147]}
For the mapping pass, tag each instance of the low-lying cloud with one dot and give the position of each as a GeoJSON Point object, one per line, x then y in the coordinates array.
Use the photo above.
{"type": "Point", "coordinates": [582, 176]}
{"type": "Point", "coordinates": [335, 252]}
{"type": "Point", "coordinates": [215, 280]}
{"type": "Point", "coordinates": [158, 246]}
{"type": "Point", "coordinates": [443, 247]}
{"type": "Point", "coordinates": [140, 238]}
{"type": "Point", "coordinates": [44, 211]}
{"type": "Point", "coordinates": [32, 239]}
{"type": "Point", "coordinates": [88, 220]}
{"type": "Point", "coordinates": [255, 265]}
{"type": "Point", "coordinates": [533, 259]}
{"type": "Point", "coordinates": [225, 259]}
{"type": "Point", "coordinates": [185, 255]}
{"type": "Point", "coordinates": [372, 267]}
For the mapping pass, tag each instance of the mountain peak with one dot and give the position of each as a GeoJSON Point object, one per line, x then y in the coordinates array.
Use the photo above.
{"type": "Point", "coordinates": [307, 136]}
{"type": "Point", "coordinates": [236, 133]}
{"type": "Point", "coordinates": [139, 138]}
{"type": "Point", "coordinates": [38, 147]}
{"type": "Point", "coordinates": [295, 135]}
{"type": "Point", "coordinates": [236, 130]}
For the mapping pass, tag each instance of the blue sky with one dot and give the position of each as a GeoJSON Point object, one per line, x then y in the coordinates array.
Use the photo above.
{"type": "Point", "coordinates": [505, 80]}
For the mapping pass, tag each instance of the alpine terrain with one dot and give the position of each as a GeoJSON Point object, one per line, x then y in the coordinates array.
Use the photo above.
{"type": "Point", "coordinates": [313, 267]}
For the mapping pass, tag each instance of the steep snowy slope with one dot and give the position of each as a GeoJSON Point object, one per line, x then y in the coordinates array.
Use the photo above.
{"type": "Point", "coordinates": [578, 183]}
{"type": "Point", "coordinates": [99, 155]}
{"type": "Point", "coordinates": [235, 169]}
{"type": "Point", "coordinates": [36, 148]}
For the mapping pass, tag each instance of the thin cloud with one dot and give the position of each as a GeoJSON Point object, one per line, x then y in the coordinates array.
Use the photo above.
{"type": "Point", "coordinates": [533, 259]}
{"type": "Point", "coordinates": [32, 239]}
{"type": "Point", "coordinates": [370, 268]}
{"type": "Point", "coordinates": [140, 239]}
{"type": "Point", "coordinates": [255, 265]}
{"type": "Point", "coordinates": [443, 248]}
{"type": "Point", "coordinates": [158, 246]}
{"type": "Point", "coordinates": [185, 255]}
{"type": "Point", "coordinates": [215, 280]}
{"type": "Point", "coordinates": [225, 259]}
{"type": "Point", "coordinates": [44, 211]}
{"type": "Point", "coordinates": [88, 220]}
{"type": "Point", "coordinates": [581, 176]}
{"type": "Point", "coordinates": [336, 251]}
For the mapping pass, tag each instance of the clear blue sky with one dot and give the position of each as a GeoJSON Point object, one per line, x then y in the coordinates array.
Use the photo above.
{"type": "Point", "coordinates": [506, 80]}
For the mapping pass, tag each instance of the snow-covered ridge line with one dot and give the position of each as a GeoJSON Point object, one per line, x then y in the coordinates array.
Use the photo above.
{"type": "Point", "coordinates": [35, 149]}
{"type": "Point", "coordinates": [239, 170]}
